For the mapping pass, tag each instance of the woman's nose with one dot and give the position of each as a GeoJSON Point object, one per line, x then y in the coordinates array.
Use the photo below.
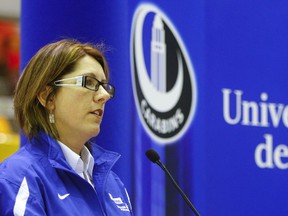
{"type": "Point", "coordinates": [101, 95]}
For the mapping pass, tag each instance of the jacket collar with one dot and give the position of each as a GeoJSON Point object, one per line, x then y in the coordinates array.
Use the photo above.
{"type": "Point", "coordinates": [45, 144]}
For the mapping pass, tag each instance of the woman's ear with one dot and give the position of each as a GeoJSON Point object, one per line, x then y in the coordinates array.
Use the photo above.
{"type": "Point", "coordinates": [43, 97]}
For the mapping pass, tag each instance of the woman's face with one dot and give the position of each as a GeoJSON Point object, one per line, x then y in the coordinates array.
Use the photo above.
{"type": "Point", "coordinates": [79, 111]}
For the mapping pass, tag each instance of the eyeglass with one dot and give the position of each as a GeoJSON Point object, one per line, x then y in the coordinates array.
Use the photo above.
{"type": "Point", "coordinates": [88, 82]}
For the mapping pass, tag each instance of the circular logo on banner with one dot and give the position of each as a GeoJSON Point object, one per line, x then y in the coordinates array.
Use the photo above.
{"type": "Point", "coordinates": [164, 85]}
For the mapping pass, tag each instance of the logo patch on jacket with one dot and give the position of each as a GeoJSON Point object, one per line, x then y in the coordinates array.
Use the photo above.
{"type": "Point", "coordinates": [119, 203]}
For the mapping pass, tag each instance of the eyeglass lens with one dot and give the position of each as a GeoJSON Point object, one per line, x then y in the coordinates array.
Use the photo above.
{"type": "Point", "coordinates": [93, 84]}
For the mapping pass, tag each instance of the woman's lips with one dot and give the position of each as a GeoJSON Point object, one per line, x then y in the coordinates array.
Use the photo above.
{"type": "Point", "coordinates": [98, 112]}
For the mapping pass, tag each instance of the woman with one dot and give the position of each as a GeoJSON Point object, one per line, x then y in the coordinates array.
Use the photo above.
{"type": "Point", "coordinates": [59, 104]}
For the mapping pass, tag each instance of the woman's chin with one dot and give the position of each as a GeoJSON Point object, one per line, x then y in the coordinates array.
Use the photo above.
{"type": "Point", "coordinates": [92, 132]}
{"type": "Point", "coordinates": [95, 133]}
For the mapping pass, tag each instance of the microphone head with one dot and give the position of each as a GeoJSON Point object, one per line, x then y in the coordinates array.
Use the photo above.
{"type": "Point", "coordinates": [152, 155]}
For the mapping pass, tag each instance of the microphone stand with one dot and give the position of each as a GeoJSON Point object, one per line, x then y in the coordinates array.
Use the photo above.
{"type": "Point", "coordinates": [178, 188]}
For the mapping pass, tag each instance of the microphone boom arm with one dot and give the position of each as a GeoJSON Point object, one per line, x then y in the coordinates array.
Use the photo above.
{"type": "Point", "coordinates": [177, 187]}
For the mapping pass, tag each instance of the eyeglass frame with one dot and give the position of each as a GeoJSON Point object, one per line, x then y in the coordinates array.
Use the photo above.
{"type": "Point", "coordinates": [81, 82]}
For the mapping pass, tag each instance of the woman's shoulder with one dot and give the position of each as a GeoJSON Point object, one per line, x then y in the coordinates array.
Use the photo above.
{"type": "Point", "coordinates": [21, 163]}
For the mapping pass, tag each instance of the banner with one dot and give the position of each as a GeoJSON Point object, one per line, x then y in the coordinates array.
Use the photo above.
{"type": "Point", "coordinates": [165, 96]}
{"type": "Point", "coordinates": [202, 82]}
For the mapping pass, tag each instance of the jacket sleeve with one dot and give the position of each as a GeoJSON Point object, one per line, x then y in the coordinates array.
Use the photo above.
{"type": "Point", "coordinates": [18, 200]}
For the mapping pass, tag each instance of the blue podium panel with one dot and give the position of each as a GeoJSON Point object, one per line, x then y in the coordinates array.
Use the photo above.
{"type": "Point", "coordinates": [95, 22]}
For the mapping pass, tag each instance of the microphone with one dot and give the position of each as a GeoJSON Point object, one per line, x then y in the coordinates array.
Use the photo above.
{"type": "Point", "coordinates": [154, 157]}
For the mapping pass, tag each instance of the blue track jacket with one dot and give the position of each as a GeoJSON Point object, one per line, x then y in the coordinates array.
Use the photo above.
{"type": "Point", "coordinates": [37, 180]}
